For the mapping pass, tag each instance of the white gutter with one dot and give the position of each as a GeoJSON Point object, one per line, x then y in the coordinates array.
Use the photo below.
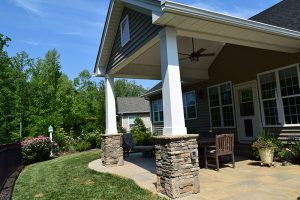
{"type": "Point", "coordinates": [177, 8]}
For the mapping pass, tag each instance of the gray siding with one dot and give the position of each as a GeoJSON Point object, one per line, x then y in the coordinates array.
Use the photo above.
{"type": "Point", "coordinates": [227, 67]}
{"type": "Point", "coordinates": [141, 31]}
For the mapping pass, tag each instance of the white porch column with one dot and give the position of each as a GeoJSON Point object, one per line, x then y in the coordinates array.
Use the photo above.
{"type": "Point", "coordinates": [174, 123]}
{"type": "Point", "coordinates": [110, 106]}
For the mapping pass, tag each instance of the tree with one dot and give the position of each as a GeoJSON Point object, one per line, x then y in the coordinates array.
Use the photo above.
{"type": "Point", "coordinates": [7, 96]}
{"type": "Point", "coordinates": [124, 88]}
{"type": "Point", "coordinates": [44, 80]}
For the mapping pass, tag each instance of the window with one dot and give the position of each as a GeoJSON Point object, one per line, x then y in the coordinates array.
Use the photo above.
{"type": "Point", "coordinates": [280, 96]}
{"type": "Point", "coordinates": [189, 105]}
{"type": "Point", "coordinates": [158, 115]}
{"type": "Point", "coordinates": [131, 119]}
{"type": "Point", "coordinates": [221, 106]}
{"type": "Point", "coordinates": [125, 35]}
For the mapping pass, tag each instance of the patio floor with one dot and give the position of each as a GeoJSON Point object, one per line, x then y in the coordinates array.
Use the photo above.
{"type": "Point", "coordinates": [247, 181]}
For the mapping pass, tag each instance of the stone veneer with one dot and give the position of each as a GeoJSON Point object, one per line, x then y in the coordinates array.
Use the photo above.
{"type": "Point", "coordinates": [112, 150]}
{"type": "Point", "coordinates": [177, 173]}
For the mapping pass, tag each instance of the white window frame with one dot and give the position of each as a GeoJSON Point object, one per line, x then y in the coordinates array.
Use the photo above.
{"type": "Point", "coordinates": [185, 106]}
{"type": "Point", "coordinates": [134, 116]}
{"type": "Point", "coordinates": [159, 117]}
{"type": "Point", "coordinates": [123, 42]}
{"type": "Point", "coordinates": [221, 106]}
{"type": "Point", "coordinates": [278, 98]}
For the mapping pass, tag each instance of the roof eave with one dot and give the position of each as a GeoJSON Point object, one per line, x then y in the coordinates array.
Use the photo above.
{"type": "Point", "coordinates": [177, 8]}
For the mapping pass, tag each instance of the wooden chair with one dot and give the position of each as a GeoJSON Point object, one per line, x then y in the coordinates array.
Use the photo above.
{"type": "Point", "coordinates": [224, 145]}
{"type": "Point", "coordinates": [129, 145]}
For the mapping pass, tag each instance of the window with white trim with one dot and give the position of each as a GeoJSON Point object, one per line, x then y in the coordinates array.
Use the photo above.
{"type": "Point", "coordinates": [158, 113]}
{"type": "Point", "coordinates": [125, 34]}
{"type": "Point", "coordinates": [221, 106]}
{"type": "Point", "coordinates": [131, 119]}
{"type": "Point", "coordinates": [280, 96]}
{"type": "Point", "coordinates": [189, 105]}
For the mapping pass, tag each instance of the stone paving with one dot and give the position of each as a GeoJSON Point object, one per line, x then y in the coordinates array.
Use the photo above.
{"type": "Point", "coordinates": [247, 181]}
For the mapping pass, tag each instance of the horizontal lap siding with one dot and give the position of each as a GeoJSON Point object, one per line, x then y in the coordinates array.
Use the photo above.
{"type": "Point", "coordinates": [141, 31]}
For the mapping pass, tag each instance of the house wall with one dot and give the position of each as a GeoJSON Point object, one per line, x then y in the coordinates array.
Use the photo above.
{"type": "Point", "coordinates": [237, 64]}
{"type": "Point", "coordinates": [144, 116]}
{"type": "Point", "coordinates": [141, 31]}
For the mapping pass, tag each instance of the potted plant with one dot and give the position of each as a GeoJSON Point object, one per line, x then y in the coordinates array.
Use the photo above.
{"type": "Point", "coordinates": [266, 147]}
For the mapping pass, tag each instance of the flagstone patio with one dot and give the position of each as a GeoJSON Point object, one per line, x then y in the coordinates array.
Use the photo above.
{"type": "Point", "coordinates": [247, 181]}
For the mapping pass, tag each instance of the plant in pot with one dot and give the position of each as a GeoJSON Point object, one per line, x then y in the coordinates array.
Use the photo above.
{"type": "Point", "coordinates": [266, 147]}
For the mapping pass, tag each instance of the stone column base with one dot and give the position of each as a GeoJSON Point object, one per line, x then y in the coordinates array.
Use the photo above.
{"type": "Point", "coordinates": [112, 150]}
{"type": "Point", "coordinates": [177, 165]}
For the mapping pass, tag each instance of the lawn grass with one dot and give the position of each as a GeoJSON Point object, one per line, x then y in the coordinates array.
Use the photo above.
{"type": "Point", "coordinates": [68, 177]}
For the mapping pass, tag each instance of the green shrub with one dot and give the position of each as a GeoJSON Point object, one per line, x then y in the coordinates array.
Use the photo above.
{"type": "Point", "coordinates": [140, 134]}
{"type": "Point", "coordinates": [295, 149]}
{"type": "Point", "coordinates": [61, 139]}
{"type": "Point", "coordinates": [83, 146]}
{"type": "Point", "coordinates": [94, 138]}
{"type": "Point", "coordinates": [37, 149]}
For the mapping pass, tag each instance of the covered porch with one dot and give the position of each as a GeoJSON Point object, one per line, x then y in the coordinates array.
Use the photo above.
{"type": "Point", "coordinates": [172, 56]}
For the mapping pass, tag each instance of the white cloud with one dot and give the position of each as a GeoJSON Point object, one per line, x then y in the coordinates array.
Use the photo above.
{"type": "Point", "coordinates": [29, 42]}
{"type": "Point", "coordinates": [72, 33]}
{"type": "Point", "coordinates": [31, 6]}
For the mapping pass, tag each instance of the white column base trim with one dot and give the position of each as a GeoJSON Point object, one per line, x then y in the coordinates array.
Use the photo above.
{"type": "Point", "coordinates": [111, 132]}
{"type": "Point", "coordinates": [174, 131]}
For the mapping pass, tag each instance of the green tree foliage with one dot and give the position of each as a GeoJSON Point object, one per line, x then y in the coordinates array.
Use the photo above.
{"type": "Point", "coordinates": [35, 94]}
{"type": "Point", "coordinates": [124, 88]}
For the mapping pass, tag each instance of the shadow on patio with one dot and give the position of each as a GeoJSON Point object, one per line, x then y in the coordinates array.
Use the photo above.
{"type": "Point", "coordinates": [246, 181]}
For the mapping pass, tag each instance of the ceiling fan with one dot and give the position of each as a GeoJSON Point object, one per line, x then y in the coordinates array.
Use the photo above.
{"type": "Point", "coordinates": [195, 55]}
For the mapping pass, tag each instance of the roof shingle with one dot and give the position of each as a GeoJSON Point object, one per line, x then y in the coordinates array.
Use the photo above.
{"type": "Point", "coordinates": [132, 105]}
{"type": "Point", "coordinates": [285, 14]}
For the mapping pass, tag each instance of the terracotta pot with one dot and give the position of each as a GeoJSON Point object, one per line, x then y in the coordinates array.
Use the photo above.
{"type": "Point", "coordinates": [266, 156]}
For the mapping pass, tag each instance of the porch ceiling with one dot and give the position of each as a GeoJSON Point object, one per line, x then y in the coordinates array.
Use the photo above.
{"type": "Point", "coordinates": [147, 65]}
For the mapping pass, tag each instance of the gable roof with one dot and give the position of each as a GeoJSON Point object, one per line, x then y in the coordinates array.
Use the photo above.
{"type": "Point", "coordinates": [127, 105]}
{"type": "Point", "coordinates": [168, 13]}
{"type": "Point", "coordinates": [285, 14]}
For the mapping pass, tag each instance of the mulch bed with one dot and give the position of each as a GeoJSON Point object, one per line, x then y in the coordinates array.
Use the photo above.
{"type": "Point", "coordinates": [6, 192]}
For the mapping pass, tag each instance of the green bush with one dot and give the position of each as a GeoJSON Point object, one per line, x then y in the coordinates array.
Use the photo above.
{"type": "Point", "coordinates": [140, 134]}
{"type": "Point", "coordinates": [94, 138]}
{"type": "Point", "coordinates": [83, 146]}
{"type": "Point", "coordinates": [37, 149]}
{"type": "Point", "coordinates": [61, 139]}
{"type": "Point", "coordinates": [296, 153]}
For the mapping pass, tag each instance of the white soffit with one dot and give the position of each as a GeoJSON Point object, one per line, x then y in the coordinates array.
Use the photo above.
{"type": "Point", "coordinates": [194, 22]}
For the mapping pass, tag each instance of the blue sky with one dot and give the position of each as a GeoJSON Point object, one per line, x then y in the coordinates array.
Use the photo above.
{"type": "Point", "coordinates": [74, 27]}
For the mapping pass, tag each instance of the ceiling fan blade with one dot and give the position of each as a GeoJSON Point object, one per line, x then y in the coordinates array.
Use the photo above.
{"type": "Point", "coordinates": [207, 54]}
{"type": "Point", "coordinates": [200, 51]}
{"type": "Point", "coordinates": [184, 54]}
{"type": "Point", "coordinates": [184, 58]}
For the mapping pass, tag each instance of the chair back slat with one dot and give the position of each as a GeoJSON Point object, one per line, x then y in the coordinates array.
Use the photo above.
{"type": "Point", "coordinates": [128, 140]}
{"type": "Point", "coordinates": [224, 144]}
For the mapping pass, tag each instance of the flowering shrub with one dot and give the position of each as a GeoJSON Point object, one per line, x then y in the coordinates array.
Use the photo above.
{"type": "Point", "coordinates": [37, 149]}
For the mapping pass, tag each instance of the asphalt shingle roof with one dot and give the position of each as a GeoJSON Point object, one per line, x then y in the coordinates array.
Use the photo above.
{"type": "Point", "coordinates": [132, 105]}
{"type": "Point", "coordinates": [285, 14]}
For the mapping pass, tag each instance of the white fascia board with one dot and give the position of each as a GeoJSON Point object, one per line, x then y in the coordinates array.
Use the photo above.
{"type": "Point", "coordinates": [104, 33]}
{"type": "Point", "coordinates": [177, 8]}
{"type": "Point", "coordinates": [153, 6]}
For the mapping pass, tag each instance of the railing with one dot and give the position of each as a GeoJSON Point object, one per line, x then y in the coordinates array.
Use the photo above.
{"type": "Point", "coordinates": [10, 160]}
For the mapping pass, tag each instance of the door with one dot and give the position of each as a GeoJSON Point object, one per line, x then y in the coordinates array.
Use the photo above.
{"type": "Point", "coordinates": [247, 111]}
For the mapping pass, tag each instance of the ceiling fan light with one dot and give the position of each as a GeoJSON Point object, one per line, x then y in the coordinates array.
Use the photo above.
{"type": "Point", "coordinates": [194, 58]}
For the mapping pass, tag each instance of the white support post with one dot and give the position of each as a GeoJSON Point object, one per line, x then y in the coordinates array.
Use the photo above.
{"type": "Point", "coordinates": [174, 123]}
{"type": "Point", "coordinates": [110, 106]}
